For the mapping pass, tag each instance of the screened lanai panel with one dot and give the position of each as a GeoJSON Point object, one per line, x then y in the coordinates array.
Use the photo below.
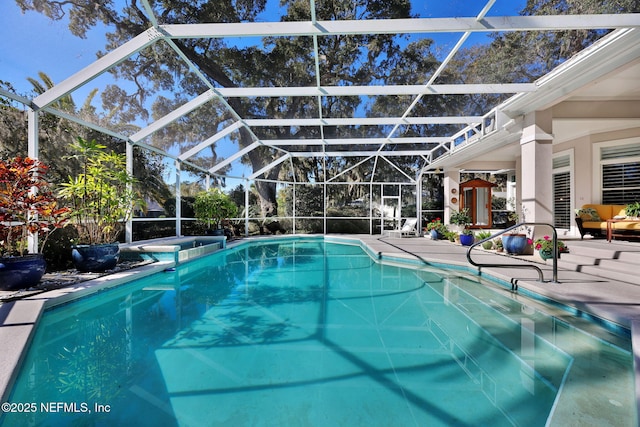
{"type": "Point", "coordinates": [195, 135]}
{"type": "Point", "coordinates": [348, 200]}
{"type": "Point", "coordinates": [392, 169]}
{"type": "Point", "coordinates": [228, 98]}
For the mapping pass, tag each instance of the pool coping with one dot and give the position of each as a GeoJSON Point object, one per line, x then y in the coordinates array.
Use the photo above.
{"type": "Point", "coordinates": [19, 318]}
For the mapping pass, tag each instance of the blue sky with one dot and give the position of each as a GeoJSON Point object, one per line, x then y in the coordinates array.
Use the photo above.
{"type": "Point", "coordinates": [33, 43]}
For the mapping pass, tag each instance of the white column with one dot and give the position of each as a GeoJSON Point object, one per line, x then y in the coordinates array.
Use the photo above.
{"type": "Point", "coordinates": [128, 228]}
{"type": "Point", "coordinates": [33, 152]}
{"type": "Point", "coordinates": [178, 167]}
{"type": "Point", "coordinates": [536, 187]}
{"type": "Point", "coordinates": [246, 208]}
{"type": "Point", "coordinates": [451, 182]}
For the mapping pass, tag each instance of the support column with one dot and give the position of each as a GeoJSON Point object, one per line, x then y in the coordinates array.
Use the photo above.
{"type": "Point", "coordinates": [178, 166]}
{"type": "Point", "coordinates": [246, 208]}
{"type": "Point", "coordinates": [451, 182]}
{"type": "Point", "coordinates": [419, 204]}
{"type": "Point", "coordinates": [128, 228]}
{"type": "Point", "coordinates": [536, 185]}
{"type": "Point", "coordinates": [33, 152]}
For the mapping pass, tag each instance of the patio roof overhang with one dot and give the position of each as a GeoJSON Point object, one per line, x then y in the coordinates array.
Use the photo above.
{"type": "Point", "coordinates": [479, 134]}
{"type": "Point", "coordinates": [606, 72]}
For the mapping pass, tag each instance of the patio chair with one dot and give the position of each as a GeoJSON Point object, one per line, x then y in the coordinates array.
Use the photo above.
{"type": "Point", "coordinates": [409, 227]}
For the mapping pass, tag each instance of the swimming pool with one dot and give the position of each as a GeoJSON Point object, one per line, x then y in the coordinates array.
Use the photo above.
{"type": "Point", "coordinates": [301, 332]}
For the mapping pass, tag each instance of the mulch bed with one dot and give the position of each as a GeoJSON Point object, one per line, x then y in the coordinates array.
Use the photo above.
{"type": "Point", "coordinates": [64, 278]}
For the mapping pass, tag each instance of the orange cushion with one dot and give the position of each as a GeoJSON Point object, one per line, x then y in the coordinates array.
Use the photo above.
{"type": "Point", "coordinates": [626, 225]}
{"type": "Point", "coordinates": [595, 224]}
{"type": "Point", "coordinates": [618, 210]}
{"type": "Point", "coordinates": [604, 212]}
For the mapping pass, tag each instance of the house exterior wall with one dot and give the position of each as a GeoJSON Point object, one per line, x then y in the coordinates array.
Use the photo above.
{"type": "Point", "coordinates": [587, 186]}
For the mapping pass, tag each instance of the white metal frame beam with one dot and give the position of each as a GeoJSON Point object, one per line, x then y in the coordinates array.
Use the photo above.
{"type": "Point", "coordinates": [211, 140]}
{"type": "Point", "coordinates": [353, 141]}
{"type": "Point", "coordinates": [399, 153]}
{"type": "Point", "coordinates": [174, 115]}
{"type": "Point", "coordinates": [401, 26]}
{"type": "Point", "coordinates": [375, 90]}
{"type": "Point", "coordinates": [98, 67]}
{"type": "Point", "coordinates": [365, 121]}
{"type": "Point", "coordinates": [235, 156]}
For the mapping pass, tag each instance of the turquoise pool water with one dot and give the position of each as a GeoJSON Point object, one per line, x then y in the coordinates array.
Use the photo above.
{"type": "Point", "coordinates": [302, 332]}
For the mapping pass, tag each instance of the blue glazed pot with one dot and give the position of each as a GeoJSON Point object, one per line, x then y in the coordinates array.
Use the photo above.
{"type": "Point", "coordinates": [21, 272]}
{"type": "Point", "coordinates": [436, 235]}
{"type": "Point", "coordinates": [95, 258]}
{"type": "Point", "coordinates": [466, 239]}
{"type": "Point", "coordinates": [514, 243]}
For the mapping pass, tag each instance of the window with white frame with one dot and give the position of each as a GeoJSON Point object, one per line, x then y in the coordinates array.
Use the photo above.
{"type": "Point", "coordinates": [620, 172]}
{"type": "Point", "coordinates": [562, 191]}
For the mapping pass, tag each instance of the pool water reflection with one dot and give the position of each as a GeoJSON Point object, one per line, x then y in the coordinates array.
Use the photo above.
{"type": "Point", "coordinates": [303, 332]}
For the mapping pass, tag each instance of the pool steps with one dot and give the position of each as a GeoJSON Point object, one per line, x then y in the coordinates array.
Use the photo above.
{"type": "Point", "coordinates": [609, 263]}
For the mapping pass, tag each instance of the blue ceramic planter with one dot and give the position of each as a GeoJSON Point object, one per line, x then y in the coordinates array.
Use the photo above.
{"type": "Point", "coordinates": [514, 243]}
{"type": "Point", "coordinates": [466, 239]}
{"type": "Point", "coordinates": [436, 235]}
{"type": "Point", "coordinates": [95, 258]}
{"type": "Point", "coordinates": [21, 272]}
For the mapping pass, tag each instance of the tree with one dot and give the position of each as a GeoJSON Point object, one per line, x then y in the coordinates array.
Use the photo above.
{"type": "Point", "coordinates": [162, 84]}
{"type": "Point", "coordinates": [281, 61]}
{"type": "Point", "coordinates": [213, 206]}
{"type": "Point", "coordinates": [528, 55]}
{"type": "Point", "coordinates": [56, 136]}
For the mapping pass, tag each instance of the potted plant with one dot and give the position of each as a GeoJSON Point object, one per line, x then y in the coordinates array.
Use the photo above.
{"type": "Point", "coordinates": [632, 210]}
{"type": "Point", "coordinates": [497, 243]}
{"type": "Point", "coordinates": [467, 237]}
{"type": "Point", "coordinates": [28, 207]}
{"type": "Point", "coordinates": [485, 235]}
{"type": "Point", "coordinates": [212, 207]}
{"type": "Point", "coordinates": [517, 241]}
{"type": "Point", "coordinates": [544, 246]}
{"type": "Point", "coordinates": [436, 228]}
{"type": "Point", "coordinates": [102, 200]}
{"type": "Point", "coordinates": [460, 219]}
{"type": "Point", "coordinates": [451, 236]}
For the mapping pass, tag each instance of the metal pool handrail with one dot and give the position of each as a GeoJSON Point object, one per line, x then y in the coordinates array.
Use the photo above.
{"type": "Point", "coordinates": [514, 284]}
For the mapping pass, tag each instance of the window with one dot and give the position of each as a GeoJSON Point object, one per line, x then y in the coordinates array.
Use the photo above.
{"type": "Point", "coordinates": [620, 174]}
{"type": "Point", "coordinates": [562, 191]}
{"type": "Point", "coordinates": [562, 200]}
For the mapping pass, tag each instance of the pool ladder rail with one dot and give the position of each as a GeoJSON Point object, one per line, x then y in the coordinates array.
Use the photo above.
{"type": "Point", "coordinates": [514, 282]}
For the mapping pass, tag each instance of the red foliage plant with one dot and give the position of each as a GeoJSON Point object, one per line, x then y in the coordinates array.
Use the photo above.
{"type": "Point", "coordinates": [27, 205]}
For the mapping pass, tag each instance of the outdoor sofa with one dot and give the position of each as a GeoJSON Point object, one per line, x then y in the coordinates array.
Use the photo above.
{"type": "Point", "coordinates": [592, 219]}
